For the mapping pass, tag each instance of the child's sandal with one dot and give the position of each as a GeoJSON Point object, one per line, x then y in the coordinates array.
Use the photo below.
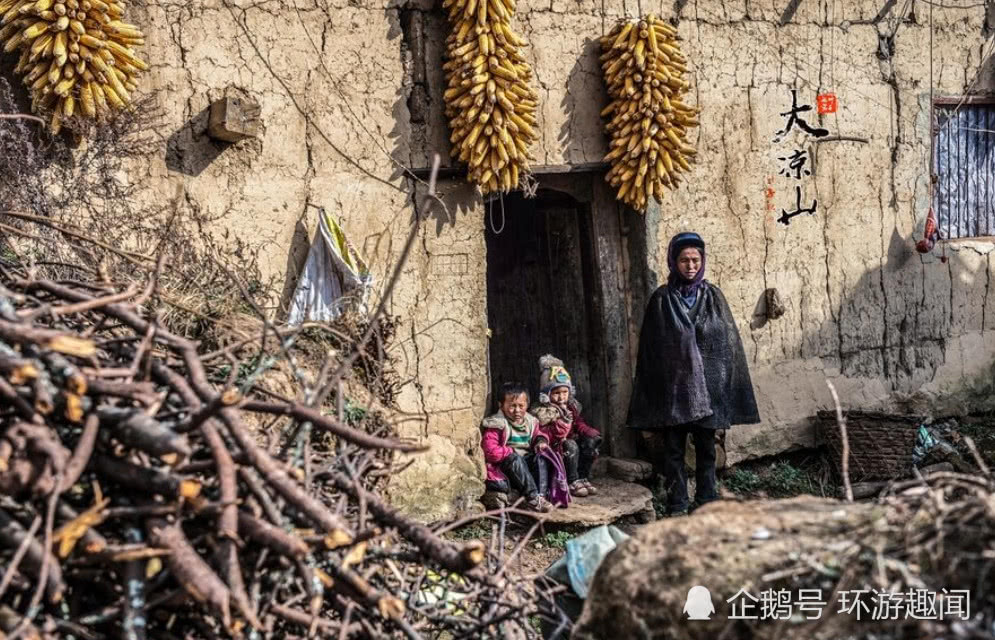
{"type": "Point", "coordinates": [578, 489]}
{"type": "Point", "coordinates": [591, 489]}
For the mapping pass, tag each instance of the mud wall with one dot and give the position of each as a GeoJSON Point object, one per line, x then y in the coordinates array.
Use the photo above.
{"type": "Point", "coordinates": [351, 93]}
{"type": "Point", "coordinates": [892, 328]}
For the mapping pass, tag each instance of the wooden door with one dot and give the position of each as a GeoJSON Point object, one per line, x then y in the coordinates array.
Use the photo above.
{"type": "Point", "coordinates": [536, 292]}
{"type": "Point", "coordinates": [558, 282]}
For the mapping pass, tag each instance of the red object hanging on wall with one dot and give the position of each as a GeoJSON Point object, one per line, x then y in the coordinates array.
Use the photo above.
{"type": "Point", "coordinates": [826, 103]}
{"type": "Point", "coordinates": [929, 235]}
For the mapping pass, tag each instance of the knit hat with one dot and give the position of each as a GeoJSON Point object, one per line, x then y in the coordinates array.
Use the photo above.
{"type": "Point", "coordinates": [553, 374]}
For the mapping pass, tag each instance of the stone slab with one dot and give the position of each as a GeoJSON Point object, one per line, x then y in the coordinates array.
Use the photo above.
{"type": "Point", "coordinates": [625, 469]}
{"type": "Point", "coordinates": [615, 500]}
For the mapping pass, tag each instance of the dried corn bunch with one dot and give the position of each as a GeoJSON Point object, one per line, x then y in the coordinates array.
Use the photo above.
{"type": "Point", "coordinates": [643, 68]}
{"type": "Point", "coordinates": [76, 55]}
{"type": "Point", "coordinates": [489, 103]}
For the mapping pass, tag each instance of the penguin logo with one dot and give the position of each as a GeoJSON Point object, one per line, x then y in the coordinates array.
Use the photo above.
{"type": "Point", "coordinates": [699, 603]}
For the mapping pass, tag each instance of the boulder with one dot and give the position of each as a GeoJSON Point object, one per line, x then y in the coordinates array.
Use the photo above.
{"type": "Point", "coordinates": [641, 588]}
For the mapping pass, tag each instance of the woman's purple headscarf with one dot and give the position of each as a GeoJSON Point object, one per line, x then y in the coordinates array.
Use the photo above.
{"type": "Point", "coordinates": [675, 279]}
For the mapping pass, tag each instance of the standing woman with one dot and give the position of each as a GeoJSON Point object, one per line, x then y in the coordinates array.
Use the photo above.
{"type": "Point", "coordinates": [691, 372]}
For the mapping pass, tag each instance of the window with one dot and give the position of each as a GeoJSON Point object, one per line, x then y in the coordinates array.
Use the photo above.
{"type": "Point", "coordinates": [964, 161]}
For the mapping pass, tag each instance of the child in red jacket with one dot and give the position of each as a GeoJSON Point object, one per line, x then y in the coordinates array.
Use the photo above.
{"type": "Point", "coordinates": [559, 414]}
{"type": "Point", "coordinates": [511, 439]}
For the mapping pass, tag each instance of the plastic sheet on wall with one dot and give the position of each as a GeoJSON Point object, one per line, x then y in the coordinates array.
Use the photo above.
{"type": "Point", "coordinates": [964, 152]}
{"type": "Point", "coordinates": [334, 278]}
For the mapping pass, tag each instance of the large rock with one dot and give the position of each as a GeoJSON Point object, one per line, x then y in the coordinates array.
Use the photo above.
{"type": "Point", "coordinates": [641, 588]}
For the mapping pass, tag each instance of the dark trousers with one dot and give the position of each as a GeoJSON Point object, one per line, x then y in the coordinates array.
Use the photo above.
{"type": "Point", "coordinates": [518, 477]}
{"type": "Point", "coordinates": [675, 473]}
{"type": "Point", "coordinates": [542, 470]}
{"type": "Point", "coordinates": [578, 457]}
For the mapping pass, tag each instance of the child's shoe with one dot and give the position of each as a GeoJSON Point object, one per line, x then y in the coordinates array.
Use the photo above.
{"type": "Point", "coordinates": [493, 500]}
{"type": "Point", "coordinates": [578, 489]}
{"type": "Point", "coordinates": [591, 489]}
{"type": "Point", "coordinates": [540, 504]}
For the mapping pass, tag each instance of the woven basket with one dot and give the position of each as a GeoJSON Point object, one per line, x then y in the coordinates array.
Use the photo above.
{"type": "Point", "coordinates": [881, 444]}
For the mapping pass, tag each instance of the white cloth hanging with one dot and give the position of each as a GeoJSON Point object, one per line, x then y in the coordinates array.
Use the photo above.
{"type": "Point", "coordinates": [334, 277]}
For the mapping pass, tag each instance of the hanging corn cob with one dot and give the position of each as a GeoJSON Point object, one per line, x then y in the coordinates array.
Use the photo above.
{"type": "Point", "coordinates": [643, 68]}
{"type": "Point", "coordinates": [76, 55]}
{"type": "Point", "coordinates": [489, 103]}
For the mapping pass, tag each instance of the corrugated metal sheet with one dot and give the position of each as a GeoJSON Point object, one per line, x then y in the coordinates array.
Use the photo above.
{"type": "Point", "coordinates": [964, 154]}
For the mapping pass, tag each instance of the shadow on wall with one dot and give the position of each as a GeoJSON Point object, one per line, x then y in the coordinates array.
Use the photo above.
{"type": "Point", "coordinates": [190, 150]}
{"type": "Point", "coordinates": [986, 74]}
{"type": "Point", "coordinates": [18, 91]}
{"type": "Point", "coordinates": [896, 324]}
{"type": "Point", "coordinates": [455, 197]}
{"type": "Point", "coordinates": [418, 114]}
{"type": "Point", "coordinates": [420, 126]}
{"type": "Point", "coordinates": [411, 105]}
{"type": "Point", "coordinates": [300, 245]}
{"type": "Point", "coordinates": [16, 99]}
{"type": "Point", "coordinates": [900, 252]}
{"type": "Point", "coordinates": [585, 94]}
{"type": "Point", "coordinates": [678, 9]}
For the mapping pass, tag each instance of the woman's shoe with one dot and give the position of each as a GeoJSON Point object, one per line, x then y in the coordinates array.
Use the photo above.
{"type": "Point", "coordinates": [578, 489]}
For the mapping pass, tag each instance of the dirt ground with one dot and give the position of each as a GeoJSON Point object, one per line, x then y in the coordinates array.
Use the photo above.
{"type": "Point", "coordinates": [546, 545]}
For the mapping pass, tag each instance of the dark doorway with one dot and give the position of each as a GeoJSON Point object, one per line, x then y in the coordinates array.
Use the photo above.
{"type": "Point", "coordinates": [539, 293]}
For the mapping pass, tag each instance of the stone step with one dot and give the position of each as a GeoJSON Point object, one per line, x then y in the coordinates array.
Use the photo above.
{"type": "Point", "coordinates": [625, 469]}
{"type": "Point", "coordinates": [615, 500]}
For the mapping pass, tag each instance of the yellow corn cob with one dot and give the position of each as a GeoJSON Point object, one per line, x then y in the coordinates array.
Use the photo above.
{"type": "Point", "coordinates": [76, 56]}
{"type": "Point", "coordinates": [487, 99]}
{"type": "Point", "coordinates": [646, 122]}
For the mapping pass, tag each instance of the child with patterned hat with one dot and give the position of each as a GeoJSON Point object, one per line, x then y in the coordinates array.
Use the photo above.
{"type": "Point", "coordinates": [559, 413]}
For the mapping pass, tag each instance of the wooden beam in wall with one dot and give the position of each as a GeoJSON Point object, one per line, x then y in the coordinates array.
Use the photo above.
{"type": "Point", "coordinates": [545, 169]}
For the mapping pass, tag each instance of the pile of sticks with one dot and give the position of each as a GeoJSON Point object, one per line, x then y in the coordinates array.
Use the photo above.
{"type": "Point", "coordinates": [933, 535]}
{"type": "Point", "coordinates": [137, 499]}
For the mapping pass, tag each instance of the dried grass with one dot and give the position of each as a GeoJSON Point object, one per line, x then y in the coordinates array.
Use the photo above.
{"type": "Point", "coordinates": [71, 210]}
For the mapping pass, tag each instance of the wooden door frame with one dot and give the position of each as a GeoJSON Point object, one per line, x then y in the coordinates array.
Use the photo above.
{"type": "Point", "coordinates": [605, 238]}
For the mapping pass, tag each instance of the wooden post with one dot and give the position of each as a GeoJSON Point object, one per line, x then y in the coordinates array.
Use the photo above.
{"type": "Point", "coordinates": [610, 287]}
{"type": "Point", "coordinates": [233, 119]}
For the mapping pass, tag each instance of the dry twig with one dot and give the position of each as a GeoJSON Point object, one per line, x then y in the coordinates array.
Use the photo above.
{"type": "Point", "coordinates": [172, 507]}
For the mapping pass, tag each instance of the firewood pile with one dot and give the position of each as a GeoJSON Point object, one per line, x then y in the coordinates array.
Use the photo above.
{"type": "Point", "coordinates": [138, 499]}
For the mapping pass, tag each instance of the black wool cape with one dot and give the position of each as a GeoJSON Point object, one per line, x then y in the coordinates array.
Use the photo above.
{"type": "Point", "coordinates": [691, 366]}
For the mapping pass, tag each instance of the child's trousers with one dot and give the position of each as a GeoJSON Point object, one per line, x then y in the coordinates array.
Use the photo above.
{"type": "Point", "coordinates": [516, 471]}
{"type": "Point", "coordinates": [578, 457]}
{"type": "Point", "coordinates": [543, 472]}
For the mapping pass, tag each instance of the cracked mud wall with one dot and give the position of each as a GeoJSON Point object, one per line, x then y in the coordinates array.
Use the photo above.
{"type": "Point", "coordinates": [894, 330]}
{"type": "Point", "coordinates": [330, 79]}
{"type": "Point", "coordinates": [351, 89]}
